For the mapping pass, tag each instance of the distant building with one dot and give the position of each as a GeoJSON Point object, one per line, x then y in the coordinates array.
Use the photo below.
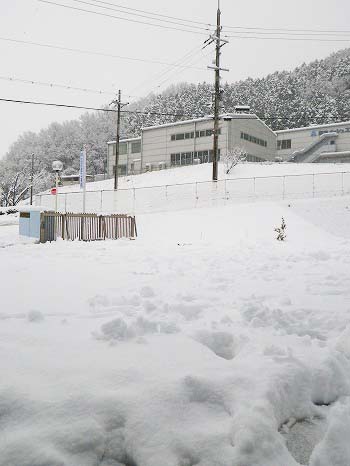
{"type": "Point", "coordinates": [323, 143]}
{"type": "Point", "coordinates": [191, 142]}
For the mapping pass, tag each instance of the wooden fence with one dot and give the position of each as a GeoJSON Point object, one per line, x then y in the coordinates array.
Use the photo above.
{"type": "Point", "coordinates": [86, 227]}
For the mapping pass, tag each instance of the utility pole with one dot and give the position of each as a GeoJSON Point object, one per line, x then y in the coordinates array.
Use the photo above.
{"type": "Point", "coordinates": [217, 90]}
{"type": "Point", "coordinates": [31, 180]}
{"type": "Point", "coordinates": [119, 105]}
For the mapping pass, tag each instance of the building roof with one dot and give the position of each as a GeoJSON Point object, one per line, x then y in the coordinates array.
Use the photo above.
{"type": "Point", "coordinates": [328, 125]}
{"type": "Point", "coordinates": [226, 116]}
{"type": "Point", "coordinates": [126, 140]}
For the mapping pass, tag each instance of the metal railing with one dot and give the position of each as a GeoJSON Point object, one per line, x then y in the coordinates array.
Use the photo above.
{"type": "Point", "coordinates": [203, 193]}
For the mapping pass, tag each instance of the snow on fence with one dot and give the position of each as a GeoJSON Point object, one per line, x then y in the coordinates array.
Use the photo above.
{"type": "Point", "coordinates": [86, 227]}
{"type": "Point", "coordinates": [202, 193]}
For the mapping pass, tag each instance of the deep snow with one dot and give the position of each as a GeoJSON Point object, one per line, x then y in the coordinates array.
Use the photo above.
{"type": "Point", "coordinates": [204, 342]}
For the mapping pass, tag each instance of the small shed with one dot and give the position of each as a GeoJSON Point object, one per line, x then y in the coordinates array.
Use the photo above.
{"type": "Point", "coordinates": [29, 221]}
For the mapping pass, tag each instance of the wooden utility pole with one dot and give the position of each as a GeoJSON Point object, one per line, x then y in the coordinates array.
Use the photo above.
{"type": "Point", "coordinates": [119, 105]}
{"type": "Point", "coordinates": [217, 95]}
{"type": "Point", "coordinates": [116, 168]}
{"type": "Point", "coordinates": [217, 89]}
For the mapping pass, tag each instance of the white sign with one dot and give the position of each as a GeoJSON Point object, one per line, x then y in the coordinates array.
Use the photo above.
{"type": "Point", "coordinates": [82, 173]}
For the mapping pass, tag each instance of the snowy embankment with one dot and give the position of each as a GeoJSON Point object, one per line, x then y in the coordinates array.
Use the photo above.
{"type": "Point", "coordinates": [204, 342]}
{"type": "Point", "coordinates": [191, 187]}
{"type": "Point", "coordinates": [203, 172]}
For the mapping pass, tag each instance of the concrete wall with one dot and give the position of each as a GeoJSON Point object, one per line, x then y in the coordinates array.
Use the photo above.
{"type": "Point", "coordinates": [256, 128]}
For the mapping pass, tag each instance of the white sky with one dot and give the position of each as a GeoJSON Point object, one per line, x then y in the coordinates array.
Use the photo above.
{"type": "Point", "coordinates": [31, 20]}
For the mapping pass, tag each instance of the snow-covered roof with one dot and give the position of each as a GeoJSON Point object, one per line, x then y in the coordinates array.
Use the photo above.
{"type": "Point", "coordinates": [328, 125]}
{"type": "Point", "coordinates": [126, 140]}
{"type": "Point", "coordinates": [232, 116]}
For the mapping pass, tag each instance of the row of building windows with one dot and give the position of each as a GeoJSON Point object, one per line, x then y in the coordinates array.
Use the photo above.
{"type": "Point", "coordinates": [123, 148]}
{"type": "Point", "coordinates": [191, 135]}
{"type": "Point", "coordinates": [285, 144]}
{"type": "Point", "coordinates": [190, 158]}
{"type": "Point", "coordinates": [248, 137]}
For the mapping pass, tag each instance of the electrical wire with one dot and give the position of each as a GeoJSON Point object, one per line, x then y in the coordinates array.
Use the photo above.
{"type": "Point", "coordinates": [99, 109]}
{"type": "Point", "coordinates": [154, 14]}
{"type": "Point", "coordinates": [287, 38]}
{"type": "Point", "coordinates": [287, 30]}
{"type": "Point", "coordinates": [121, 18]}
{"type": "Point", "coordinates": [143, 112]}
{"type": "Point", "coordinates": [291, 34]}
{"type": "Point", "coordinates": [61, 86]}
{"type": "Point", "coordinates": [89, 52]}
{"type": "Point", "coordinates": [181, 61]}
{"type": "Point", "coordinates": [136, 14]}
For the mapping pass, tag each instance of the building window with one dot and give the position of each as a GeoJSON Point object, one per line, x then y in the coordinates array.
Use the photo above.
{"type": "Point", "coordinates": [136, 147]}
{"type": "Point", "coordinates": [188, 158]}
{"type": "Point", "coordinates": [253, 139]}
{"type": "Point", "coordinates": [192, 134]}
{"type": "Point", "coordinates": [123, 148]}
{"type": "Point", "coordinates": [284, 144]}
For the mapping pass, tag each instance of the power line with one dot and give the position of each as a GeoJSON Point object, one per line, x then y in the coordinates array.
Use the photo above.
{"type": "Point", "coordinates": [317, 31]}
{"type": "Point", "coordinates": [154, 14]}
{"type": "Point", "coordinates": [61, 86]}
{"type": "Point", "coordinates": [291, 34]}
{"type": "Point", "coordinates": [121, 18]}
{"type": "Point", "coordinates": [183, 60]}
{"type": "Point", "coordinates": [287, 38]}
{"type": "Point", "coordinates": [136, 14]}
{"type": "Point", "coordinates": [89, 52]}
{"type": "Point", "coordinates": [99, 109]}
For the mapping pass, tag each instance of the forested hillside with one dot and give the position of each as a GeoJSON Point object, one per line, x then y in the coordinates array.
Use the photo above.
{"type": "Point", "coordinates": [313, 93]}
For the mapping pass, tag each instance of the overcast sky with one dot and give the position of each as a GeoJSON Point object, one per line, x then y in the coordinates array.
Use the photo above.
{"type": "Point", "coordinates": [34, 21]}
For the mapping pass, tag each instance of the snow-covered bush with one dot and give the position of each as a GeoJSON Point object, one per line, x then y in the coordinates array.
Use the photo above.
{"type": "Point", "coordinates": [281, 231]}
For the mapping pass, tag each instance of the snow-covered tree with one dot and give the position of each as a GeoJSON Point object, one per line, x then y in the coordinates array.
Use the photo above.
{"type": "Point", "coordinates": [233, 157]}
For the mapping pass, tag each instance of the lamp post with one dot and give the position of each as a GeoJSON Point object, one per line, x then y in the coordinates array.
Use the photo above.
{"type": "Point", "coordinates": [57, 166]}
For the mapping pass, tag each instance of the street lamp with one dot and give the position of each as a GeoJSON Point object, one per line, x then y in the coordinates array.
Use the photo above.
{"type": "Point", "coordinates": [57, 166]}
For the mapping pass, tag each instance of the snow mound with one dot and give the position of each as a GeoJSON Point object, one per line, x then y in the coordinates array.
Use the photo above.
{"type": "Point", "coordinates": [221, 343]}
{"type": "Point", "coordinates": [120, 330]}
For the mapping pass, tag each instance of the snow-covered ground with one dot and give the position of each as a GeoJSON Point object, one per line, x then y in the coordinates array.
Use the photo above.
{"type": "Point", "coordinates": [203, 172]}
{"type": "Point", "coordinates": [204, 342]}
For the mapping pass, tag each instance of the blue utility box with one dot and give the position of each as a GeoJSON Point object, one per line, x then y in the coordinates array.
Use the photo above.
{"type": "Point", "coordinates": [29, 222]}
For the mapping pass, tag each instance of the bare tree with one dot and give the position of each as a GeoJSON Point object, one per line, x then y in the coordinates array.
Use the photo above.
{"type": "Point", "coordinates": [14, 187]}
{"type": "Point", "coordinates": [233, 157]}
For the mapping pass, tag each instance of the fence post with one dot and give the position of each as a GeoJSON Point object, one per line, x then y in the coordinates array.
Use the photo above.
{"type": "Point", "coordinates": [225, 190]}
{"type": "Point", "coordinates": [342, 184]}
{"type": "Point", "coordinates": [313, 185]}
{"type": "Point", "coordinates": [101, 201]}
{"type": "Point", "coordinates": [65, 202]}
{"type": "Point", "coordinates": [254, 182]}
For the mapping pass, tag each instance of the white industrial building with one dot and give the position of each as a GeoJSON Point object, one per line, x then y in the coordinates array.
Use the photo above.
{"type": "Point", "coordinates": [323, 143]}
{"type": "Point", "coordinates": [191, 142]}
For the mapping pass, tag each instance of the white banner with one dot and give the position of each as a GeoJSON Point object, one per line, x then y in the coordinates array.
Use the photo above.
{"type": "Point", "coordinates": [82, 173]}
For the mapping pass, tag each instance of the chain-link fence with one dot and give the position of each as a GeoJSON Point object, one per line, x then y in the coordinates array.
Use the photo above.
{"type": "Point", "coordinates": [201, 194]}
